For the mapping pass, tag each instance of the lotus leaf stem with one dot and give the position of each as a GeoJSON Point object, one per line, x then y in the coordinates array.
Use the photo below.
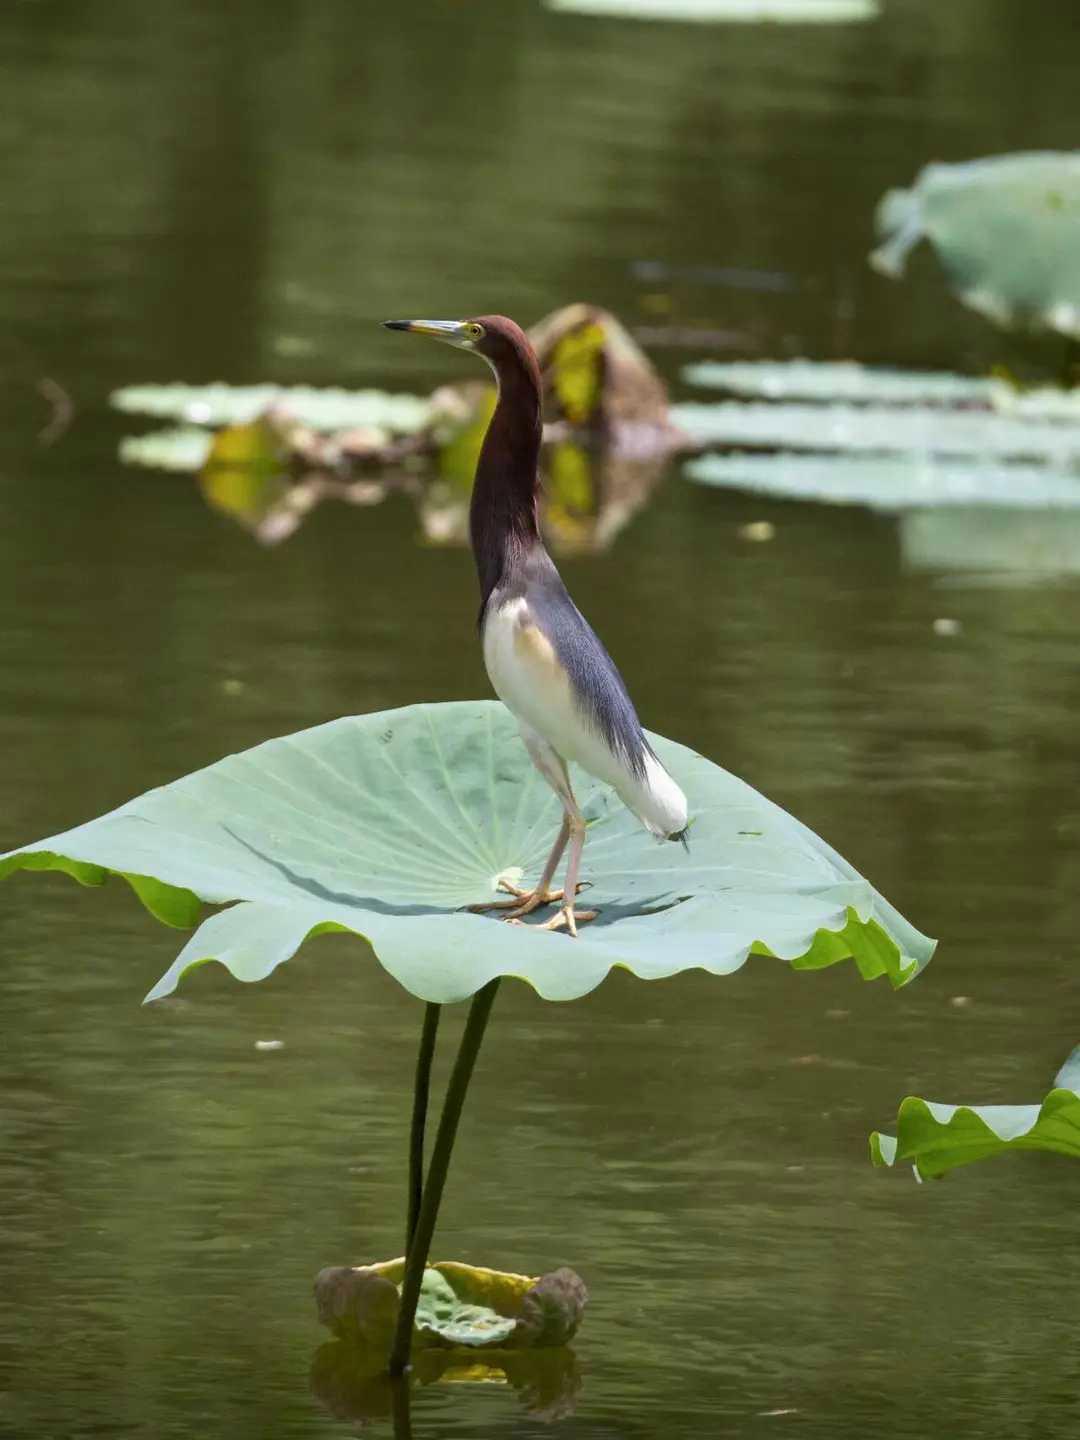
{"type": "Point", "coordinates": [420, 1245]}
{"type": "Point", "coordinates": [421, 1091]}
{"type": "Point", "coordinates": [401, 1407]}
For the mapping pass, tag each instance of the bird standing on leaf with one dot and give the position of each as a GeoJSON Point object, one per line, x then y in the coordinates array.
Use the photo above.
{"type": "Point", "coordinates": [544, 660]}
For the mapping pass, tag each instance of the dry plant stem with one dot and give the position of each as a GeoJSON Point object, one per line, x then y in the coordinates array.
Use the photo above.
{"type": "Point", "coordinates": [421, 1091]}
{"type": "Point", "coordinates": [436, 1176]}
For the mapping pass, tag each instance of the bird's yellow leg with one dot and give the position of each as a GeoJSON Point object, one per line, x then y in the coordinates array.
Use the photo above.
{"type": "Point", "coordinates": [567, 918]}
{"type": "Point", "coordinates": [524, 902]}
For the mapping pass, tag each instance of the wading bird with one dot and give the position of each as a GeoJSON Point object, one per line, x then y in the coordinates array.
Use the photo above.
{"type": "Point", "coordinates": [543, 658]}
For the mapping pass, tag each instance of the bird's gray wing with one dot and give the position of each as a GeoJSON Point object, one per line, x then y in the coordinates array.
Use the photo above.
{"type": "Point", "coordinates": [597, 686]}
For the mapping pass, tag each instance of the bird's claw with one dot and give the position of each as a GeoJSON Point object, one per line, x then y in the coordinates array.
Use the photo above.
{"type": "Point", "coordinates": [567, 919]}
{"type": "Point", "coordinates": [523, 902]}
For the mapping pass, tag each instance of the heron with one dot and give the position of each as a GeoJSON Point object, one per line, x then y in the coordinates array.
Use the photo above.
{"type": "Point", "coordinates": [543, 658]}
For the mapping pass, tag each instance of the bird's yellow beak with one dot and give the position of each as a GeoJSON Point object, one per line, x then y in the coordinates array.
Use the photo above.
{"type": "Point", "coordinates": [453, 332]}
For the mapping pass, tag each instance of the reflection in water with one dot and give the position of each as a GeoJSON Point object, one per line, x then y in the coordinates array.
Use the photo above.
{"type": "Point", "coordinates": [1025, 543]}
{"type": "Point", "coordinates": [352, 1382]}
{"type": "Point", "coordinates": [590, 495]}
{"type": "Point", "coordinates": [273, 506]}
{"type": "Point", "coordinates": [606, 424]}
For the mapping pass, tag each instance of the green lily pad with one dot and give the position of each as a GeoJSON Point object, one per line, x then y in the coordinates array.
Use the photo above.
{"type": "Point", "coordinates": [387, 824]}
{"type": "Point", "coordinates": [891, 483]}
{"type": "Point", "coordinates": [936, 1138]}
{"type": "Point", "coordinates": [324, 410]}
{"type": "Point", "coordinates": [777, 12]}
{"type": "Point", "coordinates": [1005, 230]}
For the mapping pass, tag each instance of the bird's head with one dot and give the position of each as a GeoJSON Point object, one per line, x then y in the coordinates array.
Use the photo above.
{"type": "Point", "coordinates": [502, 344]}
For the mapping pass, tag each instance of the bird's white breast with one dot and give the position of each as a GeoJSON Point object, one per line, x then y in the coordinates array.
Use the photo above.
{"type": "Point", "coordinates": [531, 681]}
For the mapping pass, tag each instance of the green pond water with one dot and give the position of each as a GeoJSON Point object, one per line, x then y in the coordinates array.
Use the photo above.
{"type": "Point", "coordinates": [195, 191]}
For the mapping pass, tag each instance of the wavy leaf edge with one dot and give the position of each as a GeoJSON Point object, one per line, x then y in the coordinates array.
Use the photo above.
{"type": "Point", "coordinates": [936, 1137]}
{"type": "Point", "coordinates": [432, 950]}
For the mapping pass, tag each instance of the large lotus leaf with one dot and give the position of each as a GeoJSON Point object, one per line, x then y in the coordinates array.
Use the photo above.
{"type": "Point", "coordinates": [326, 410]}
{"type": "Point", "coordinates": [780, 12]}
{"type": "Point", "coordinates": [935, 1138]}
{"type": "Point", "coordinates": [1005, 230]}
{"type": "Point", "coordinates": [388, 824]}
{"type": "Point", "coordinates": [880, 429]}
{"type": "Point", "coordinates": [890, 483]}
{"type": "Point", "coordinates": [839, 380]}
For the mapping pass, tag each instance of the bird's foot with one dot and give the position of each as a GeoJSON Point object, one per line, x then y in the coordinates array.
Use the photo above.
{"type": "Point", "coordinates": [567, 919]}
{"type": "Point", "coordinates": [522, 902]}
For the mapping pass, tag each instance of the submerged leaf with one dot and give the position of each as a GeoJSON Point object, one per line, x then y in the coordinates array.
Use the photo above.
{"type": "Point", "coordinates": [936, 1138]}
{"type": "Point", "coordinates": [777, 12]}
{"type": "Point", "coordinates": [890, 483]}
{"type": "Point", "coordinates": [387, 824]}
{"type": "Point", "coordinates": [1005, 229]}
{"type": "Point", "coordinates": [325, 410]}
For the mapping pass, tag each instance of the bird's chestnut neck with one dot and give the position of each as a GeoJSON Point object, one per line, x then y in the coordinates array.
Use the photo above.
{"type": "Point", "coordinates": [503, 522]}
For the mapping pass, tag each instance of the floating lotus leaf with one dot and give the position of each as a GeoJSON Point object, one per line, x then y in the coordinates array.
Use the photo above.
{"type": "Point", "coordinates": [840, 380]}
{"type": "Point", "coordinates": [1005, 230]}
{"type": "Point", "coordinates": [325, 410]}
{"type": "Point", "coordinates": [777, 12]}
{"type": "Point", "coordinates": [460, 1305]}
{"type": "Point", "coordinates": [890, 483]}
{"type": "Point", "coordinates": [184, 448]}
{"type": "Point", "coordinates": [880, 429]}
{"type": "Point", "coordinates": [1045, 403]}
{"type": "Point", "coordinates": [386, 824]}
{"type": "Point", "coordinates": [833, 382]}
{"type": "Point", "coordinates": [935, 1138]}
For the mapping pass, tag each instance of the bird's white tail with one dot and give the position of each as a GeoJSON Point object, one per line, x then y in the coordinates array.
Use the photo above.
{"type": "Point", "coordinates": [655, 799]}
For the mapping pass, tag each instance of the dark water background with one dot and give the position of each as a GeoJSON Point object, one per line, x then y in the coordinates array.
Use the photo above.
{"type": "Point", "coordinates": [201, 191]}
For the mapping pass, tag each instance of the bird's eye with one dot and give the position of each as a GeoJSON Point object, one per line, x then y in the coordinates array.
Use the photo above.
{"type": "Point", "coordinates": [474, 331]}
